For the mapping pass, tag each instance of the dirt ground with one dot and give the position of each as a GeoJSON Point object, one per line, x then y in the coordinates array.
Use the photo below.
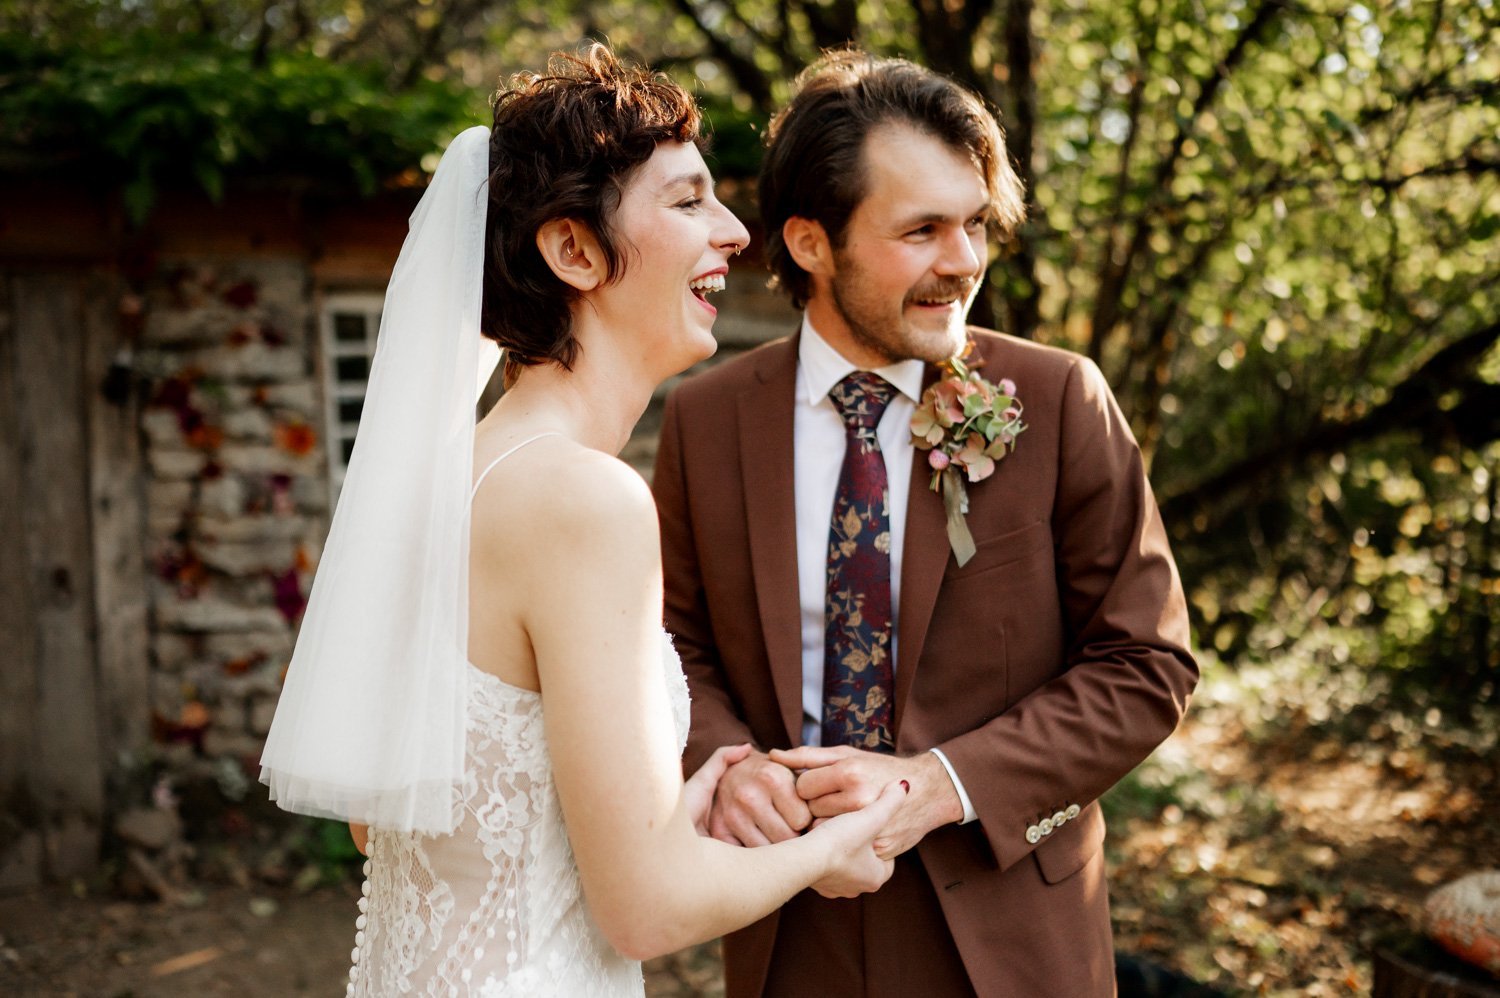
{"type": "Point", "coordinates": [1261, 862]}
{"type": "Point", "coordinates": [1277, 858]}
{"type": "Point", "coordinates": [225, 941]}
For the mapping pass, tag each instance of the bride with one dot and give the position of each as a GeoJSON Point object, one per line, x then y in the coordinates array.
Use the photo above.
{"type": "Point", "coordinates": [509, 725]}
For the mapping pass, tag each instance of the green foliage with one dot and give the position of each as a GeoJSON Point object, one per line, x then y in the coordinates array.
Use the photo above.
{"type": "Point", "coordinates": [736, 136]}
{"type": "Point", "coordinates": [327, 848]}
{"type": "Point", "coordinates": [141, 112]}
{"type": "Point", "coordinates": [1269, 224]}
{"type": "Point", "coordinates": [1381, 566]}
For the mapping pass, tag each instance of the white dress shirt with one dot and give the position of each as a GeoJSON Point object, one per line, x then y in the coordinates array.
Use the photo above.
{"type": "Point", "coordinates": [818, 453]}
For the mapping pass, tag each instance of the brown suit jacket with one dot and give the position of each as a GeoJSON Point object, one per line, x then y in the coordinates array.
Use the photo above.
{"type": "Point", "coordinates": [1045, 669]}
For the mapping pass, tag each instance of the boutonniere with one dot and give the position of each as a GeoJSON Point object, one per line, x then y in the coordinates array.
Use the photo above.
{"type": "Point", "coordinates": [966, 424]}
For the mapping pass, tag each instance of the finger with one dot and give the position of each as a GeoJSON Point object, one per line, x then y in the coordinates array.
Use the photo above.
{"type": "Point", "coordinates": [719, 829]}
{"type": "Point", "coordinates": [726, 756]}
{"type": "Point", "coordinates": [769, 819]}
{"type": "Point", "coordinates": [725, 836]}
{"type": "Point", "coordinates": [743, 826]}
{"type": "Point", "coordinates": [807, 756]}
{"type": "Point", "coordinates": [734, 753]}
{"type": "Point", "coordinates": [791, 808]}
{"type": "Point", "coordinates": [778, 830]}
{"type": "Point", "coordinates": [710, 773]}
{"type": "Point", "coordinates": [821, 782]}
{"type": "Point", "coordinates": [892, 842]}
{"type": "Point", "coordinates": [877, 814]}
{"type": "Point", "coordinates": [833, 805]}
{"type": "Point", "coordinates": [889, 802]}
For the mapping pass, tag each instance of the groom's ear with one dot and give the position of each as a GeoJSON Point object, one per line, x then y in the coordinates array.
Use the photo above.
{"type": "Point", "coordinates": [808, 244]}
{"type": "Point", "coordinates": [572, 252]}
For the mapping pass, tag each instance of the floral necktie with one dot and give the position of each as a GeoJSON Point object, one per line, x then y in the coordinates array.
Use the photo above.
{"type": "Point", "coordinates": [857, 673]}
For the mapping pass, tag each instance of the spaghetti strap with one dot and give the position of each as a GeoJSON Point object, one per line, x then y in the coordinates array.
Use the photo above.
{"type": "Point", "coordinates": [491, 466]}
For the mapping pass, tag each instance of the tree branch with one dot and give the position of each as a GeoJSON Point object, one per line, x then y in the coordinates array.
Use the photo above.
{"type": "Point", "coordinates": [429, 48]}
{"type": "Point", "coordinates": [1134, 102]}
{"type": "Point", "coordinates": [747, 75]}
{"type": "Point", "coordinates": [260, 48]}
{"type": "Point", "coordinates": [1151, 353]}
{"type": "Point", "coordinates": [1023, 310]}
{"type": "Point", "coordinates": [832, 25]}
{"type": "Point", "coordinates": [1417, 400]}
{"type": "Point", "coordinates": [1117, 266]}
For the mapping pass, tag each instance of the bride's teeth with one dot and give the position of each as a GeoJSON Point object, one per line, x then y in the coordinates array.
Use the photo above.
{"type": "Point", "coordinates": [713, 282]}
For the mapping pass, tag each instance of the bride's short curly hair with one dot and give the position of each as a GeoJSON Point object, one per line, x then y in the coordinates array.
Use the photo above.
{"type": "Point", "coordinates": [563, 145]}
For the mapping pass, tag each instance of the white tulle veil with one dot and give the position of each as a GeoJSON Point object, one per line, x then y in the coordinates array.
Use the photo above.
{"type": "Point", "coordinates": [370, 724]}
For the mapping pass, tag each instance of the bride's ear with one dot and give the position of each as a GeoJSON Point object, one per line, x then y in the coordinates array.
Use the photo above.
{"type": "Point", "coordinates": [572, 252]}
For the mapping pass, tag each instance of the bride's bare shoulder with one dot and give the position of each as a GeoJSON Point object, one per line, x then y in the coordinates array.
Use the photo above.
{"type": "Point", "coordinates": [562, 491]}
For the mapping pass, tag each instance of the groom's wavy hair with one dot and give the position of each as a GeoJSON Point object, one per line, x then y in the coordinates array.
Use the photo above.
{"type": "Point", "coordinates": [564, 144]}
{"type": "Point", "coordinates": [814, 167]}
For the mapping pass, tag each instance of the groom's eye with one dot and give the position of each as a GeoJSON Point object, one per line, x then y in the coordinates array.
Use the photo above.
{"type": "Point", "coordinates": [690, 203]}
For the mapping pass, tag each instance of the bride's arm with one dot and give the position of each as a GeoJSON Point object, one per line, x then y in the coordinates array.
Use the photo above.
{"type": "Point", "coordinates": [593, 612]}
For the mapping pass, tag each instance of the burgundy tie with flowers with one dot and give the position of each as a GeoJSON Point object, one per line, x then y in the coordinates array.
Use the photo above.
{"type": "Point", "coordinates": [857, 673]}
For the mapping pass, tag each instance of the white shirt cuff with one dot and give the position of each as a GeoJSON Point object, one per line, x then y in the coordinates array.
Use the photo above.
{"type": "Point", "coordinates": [963, 796]}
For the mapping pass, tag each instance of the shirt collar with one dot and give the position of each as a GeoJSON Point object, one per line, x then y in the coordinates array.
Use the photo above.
{"type": "Point", "coordinates": [823, 367]}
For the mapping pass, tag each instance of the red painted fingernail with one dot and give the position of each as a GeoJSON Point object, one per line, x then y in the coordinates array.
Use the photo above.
{"type": "Point", "coordinates": [906, 786]}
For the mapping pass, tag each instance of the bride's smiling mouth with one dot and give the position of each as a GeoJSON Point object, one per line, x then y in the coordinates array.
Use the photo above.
{"type": "Point", "coordinates": [705, 284]}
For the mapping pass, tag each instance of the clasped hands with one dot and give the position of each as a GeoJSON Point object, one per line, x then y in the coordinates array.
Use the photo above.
{"type": "Point", "coordinates": [762, 798]}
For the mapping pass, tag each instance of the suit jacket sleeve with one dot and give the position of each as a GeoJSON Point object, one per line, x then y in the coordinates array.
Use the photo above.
{"type": "Point", "coordinates": [715, 721]}
{"type": "Point", "coordinates": [1127, 673]}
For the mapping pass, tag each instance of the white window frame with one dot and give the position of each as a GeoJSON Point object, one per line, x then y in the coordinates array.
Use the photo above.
{"type": "Point", "coordinates": [368, 305]}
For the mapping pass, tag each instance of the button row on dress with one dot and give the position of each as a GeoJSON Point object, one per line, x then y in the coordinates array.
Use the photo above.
{"type": "Point", "coordinates": [1035, 833]}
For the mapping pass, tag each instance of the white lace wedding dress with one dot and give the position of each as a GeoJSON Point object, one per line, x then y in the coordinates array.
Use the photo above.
{"type": "Point", "coordinates": [495, 909]}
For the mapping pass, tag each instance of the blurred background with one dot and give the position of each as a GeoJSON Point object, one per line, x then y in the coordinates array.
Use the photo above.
{"type": "Point", "coordinates": [1274, 224]}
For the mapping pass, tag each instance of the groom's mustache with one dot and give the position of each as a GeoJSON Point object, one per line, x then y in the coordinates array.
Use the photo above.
{"type": "Point", "coordinates": [954, 288]}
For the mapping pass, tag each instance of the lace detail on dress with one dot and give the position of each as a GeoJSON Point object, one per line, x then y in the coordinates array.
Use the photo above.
{"type": "Point", "coordinates": [496, 908]}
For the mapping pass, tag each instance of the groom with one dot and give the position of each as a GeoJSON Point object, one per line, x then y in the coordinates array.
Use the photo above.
{"type": "Point", "coordinates": [818, 606]}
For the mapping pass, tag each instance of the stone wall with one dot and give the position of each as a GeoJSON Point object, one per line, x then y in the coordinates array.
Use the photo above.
{"type": "Point", "coordinates": [237, 483]}
{"type": "Point", "coordinates": [237, 493]}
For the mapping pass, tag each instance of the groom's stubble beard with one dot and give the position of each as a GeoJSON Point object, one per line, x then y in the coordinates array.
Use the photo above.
{"type": "Point", "coordinates": [876, 328]}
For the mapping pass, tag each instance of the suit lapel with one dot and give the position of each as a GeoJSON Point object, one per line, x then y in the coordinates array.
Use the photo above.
{"type": "Point", "coordinates": [765, 423]}
{"type": "Point", "coordinates": [924, 555]}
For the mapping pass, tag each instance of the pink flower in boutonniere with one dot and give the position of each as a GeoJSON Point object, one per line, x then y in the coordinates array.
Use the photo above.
{"type": "Point", "coordinates": [978, 464]}
{"type": "Point", "coordinates": [967, 425]}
